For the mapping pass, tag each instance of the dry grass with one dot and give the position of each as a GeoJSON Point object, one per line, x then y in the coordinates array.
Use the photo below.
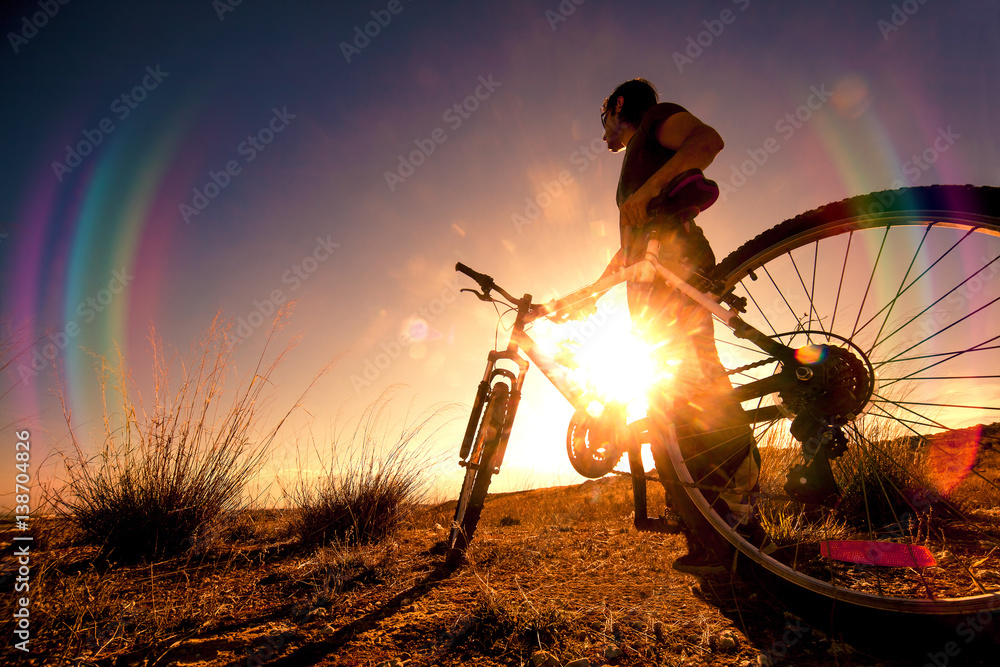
{"type": "Point", "coordinates": [85, 609]}
{"type": "Point", "coordinates": [574, 590]}
{"type": "Point", "coordinates": [373, 478]}
{"type": "Point", "coordinates": [162, 481]}
{"type": "Point", "coordinates": [880, 480]}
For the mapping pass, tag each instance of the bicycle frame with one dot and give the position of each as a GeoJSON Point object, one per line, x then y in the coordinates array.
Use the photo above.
{"type": "Point", "coordinates": [645, 271]}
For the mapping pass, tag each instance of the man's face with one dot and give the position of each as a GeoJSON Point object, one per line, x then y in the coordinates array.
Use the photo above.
{"type": "Point", "coordinates": [612, 128]}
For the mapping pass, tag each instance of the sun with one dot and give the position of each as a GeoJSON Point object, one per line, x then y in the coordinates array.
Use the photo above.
{"type": "Point", "coordinates": [604, 358]}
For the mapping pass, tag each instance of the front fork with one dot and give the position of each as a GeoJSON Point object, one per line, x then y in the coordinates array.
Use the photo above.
{"type": "Point", "coordinates": [492, 375]}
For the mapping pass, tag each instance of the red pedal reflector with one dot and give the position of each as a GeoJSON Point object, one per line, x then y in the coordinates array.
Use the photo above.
{"type": "Point", "coordinates": [888, 554]}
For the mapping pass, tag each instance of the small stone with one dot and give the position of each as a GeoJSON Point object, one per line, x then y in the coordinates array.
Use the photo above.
{"type": "Point", "coordinates": [839, 649]}
{"type": "Point", "coordinates": [579, 662]}
{"type": "Point", "coordinates": [327, 630]}
{"type": "Point", "coordinates": [726, 641]}
{"type": "Point", "coordinates": [544, 659]}
{"type": "Point", "coordinates": [612, 652]}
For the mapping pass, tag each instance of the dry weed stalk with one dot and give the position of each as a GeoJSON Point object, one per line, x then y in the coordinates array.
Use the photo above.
{"type": "Point", "coordinates": [161, 480]}
{"type": "Point", "coordinates": [372, 480]}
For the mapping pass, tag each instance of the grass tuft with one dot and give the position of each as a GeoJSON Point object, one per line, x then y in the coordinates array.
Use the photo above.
{"type": "Point", "coordinates": [162, 482]}
{"type": "Point", "coordinates": [371, 486]}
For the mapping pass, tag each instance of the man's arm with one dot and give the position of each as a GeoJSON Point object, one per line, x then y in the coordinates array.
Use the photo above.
{"type": "Point", "coordinates": [616, 264]}
{"type": "Point", "coordinates": [696, 146]}
{"type": "Point", "coordinates": [587, 307]}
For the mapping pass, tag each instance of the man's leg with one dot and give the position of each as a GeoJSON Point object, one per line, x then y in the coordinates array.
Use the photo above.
{"type": "Point", "coordinates": [715, 442]}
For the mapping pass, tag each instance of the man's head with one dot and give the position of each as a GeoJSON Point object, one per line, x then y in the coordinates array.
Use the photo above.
{"type": "Point", "coordinates": [631, 100]}
{"type": "Point", "coordinates": [623, 110]}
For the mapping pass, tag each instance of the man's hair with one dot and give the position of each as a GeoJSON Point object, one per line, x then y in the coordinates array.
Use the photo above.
{"type": "Point", "coordinates": [639, 96]}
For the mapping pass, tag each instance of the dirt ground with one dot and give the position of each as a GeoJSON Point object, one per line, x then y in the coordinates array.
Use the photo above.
{"type": "Point", "coordinates": [559, 571]}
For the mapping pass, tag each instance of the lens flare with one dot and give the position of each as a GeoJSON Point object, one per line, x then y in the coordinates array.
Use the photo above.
{"type": "Point", "coordinates": [951, 456]}
{"type": "Point", "coordinates": [811, 354]}
{"type": "Point", "coordinates": [604, 358]}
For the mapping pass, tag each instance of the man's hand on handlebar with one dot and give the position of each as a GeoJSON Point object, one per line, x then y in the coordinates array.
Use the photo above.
{"type": "Point", "coordinates": [580, 311]}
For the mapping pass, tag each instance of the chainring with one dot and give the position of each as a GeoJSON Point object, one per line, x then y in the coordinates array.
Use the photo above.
{"type": "Point", "coordinates": [595, 444]}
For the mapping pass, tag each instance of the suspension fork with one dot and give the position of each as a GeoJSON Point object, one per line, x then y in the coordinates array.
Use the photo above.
{"type": "Point", "coordinates": [492, 373]}
{"type": "Point", "coordinates": [512, 353]}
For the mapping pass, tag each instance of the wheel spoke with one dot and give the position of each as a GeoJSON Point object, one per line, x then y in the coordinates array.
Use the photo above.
{"type": "Point", "coordinates": [939, 405]}
{"type": "Point", "coordinates": [759, 309]}
{"type": "Point", "coordinates": [868, 288]}
{"type": "Point", "coordinates": [791, 310]}
{"type": "Point", "coordinates": [936, 302]}
{"type": "Point", "coordinates": [899, 291]}
{"type": "Point", "coordinates": [875, 285]}
{"type": "Point", "coordinates": [840, 284]}
{"type": "Point", "coordinates": [953, 324]}
{"type": "Point", "coordinates": [809, 294]}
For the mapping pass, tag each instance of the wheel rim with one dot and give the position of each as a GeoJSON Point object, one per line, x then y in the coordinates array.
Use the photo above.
{"type": "Point", "coordinates": [916, 293]}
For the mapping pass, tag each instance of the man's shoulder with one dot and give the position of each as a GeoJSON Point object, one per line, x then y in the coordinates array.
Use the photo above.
{"type": "Point", "coordinates": [660, 112]}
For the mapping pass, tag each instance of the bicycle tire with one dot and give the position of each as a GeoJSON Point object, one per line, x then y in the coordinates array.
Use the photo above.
{"type": "Point", "coordinates": [929, 227]}
{"type": "Point", "coordinates": [479, 472]}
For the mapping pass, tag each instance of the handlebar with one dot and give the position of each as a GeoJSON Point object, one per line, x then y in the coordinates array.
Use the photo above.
{"type": "Point", "coordinates": [532, 311]}
{"type": "Point", "coordinates": [486, 284]}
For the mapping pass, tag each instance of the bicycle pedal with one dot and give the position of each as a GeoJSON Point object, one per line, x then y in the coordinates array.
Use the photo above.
{"type": "Point", "coordinates": [658, 524]}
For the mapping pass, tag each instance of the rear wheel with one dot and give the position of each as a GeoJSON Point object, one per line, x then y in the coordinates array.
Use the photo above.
{"type": "Point", "coordinates": [892, 299]}
{"type": "Point", "coordinates": [478, 472]}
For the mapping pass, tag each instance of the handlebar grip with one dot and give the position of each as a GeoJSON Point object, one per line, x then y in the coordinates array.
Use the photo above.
{"type": "Point", "coordinates": [484, 280]}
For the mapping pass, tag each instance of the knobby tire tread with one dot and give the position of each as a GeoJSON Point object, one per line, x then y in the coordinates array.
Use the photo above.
{"type": "Point", "coordinates": [493, 414]}
{"type": "Point", "coordinates": [973, 203]}
{"type": "Point", "coordinates": [983, 200]}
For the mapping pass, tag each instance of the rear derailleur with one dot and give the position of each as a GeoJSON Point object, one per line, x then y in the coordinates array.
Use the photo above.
{"type": "Point", "coordinates": [812, 481]}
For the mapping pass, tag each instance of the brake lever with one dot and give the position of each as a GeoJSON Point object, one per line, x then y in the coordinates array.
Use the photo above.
{"type": "Point", "coordinates": [482, 296]}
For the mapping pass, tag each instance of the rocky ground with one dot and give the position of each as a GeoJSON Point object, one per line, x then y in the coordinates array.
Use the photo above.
{"type": "Point", "coordinates": [554, 577]}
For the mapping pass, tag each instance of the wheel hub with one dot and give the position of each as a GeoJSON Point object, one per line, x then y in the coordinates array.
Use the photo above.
{"type": "Point", "coordinates": [832, 383]}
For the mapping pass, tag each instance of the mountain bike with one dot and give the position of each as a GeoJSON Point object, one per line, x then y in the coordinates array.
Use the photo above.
{"type": "Point", "coordinates": [861, 344]}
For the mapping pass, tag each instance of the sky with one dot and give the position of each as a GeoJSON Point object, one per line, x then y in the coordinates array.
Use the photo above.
{"type": "Point", "coordinates": [165, 163]}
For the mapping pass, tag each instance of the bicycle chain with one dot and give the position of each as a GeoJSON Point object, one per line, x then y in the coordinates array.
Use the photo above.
{"type": "Point", "coordinates": [748, 367]}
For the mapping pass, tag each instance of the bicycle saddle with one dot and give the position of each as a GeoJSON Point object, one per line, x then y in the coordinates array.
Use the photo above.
{"type": "Point", "coordinates": [687, 195]}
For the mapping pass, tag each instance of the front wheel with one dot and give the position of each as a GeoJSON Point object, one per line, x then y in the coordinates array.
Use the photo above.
{"type": "Point", "coordinates": [478, 472]}
{"type": "Point", "coordinates": [893, 298]}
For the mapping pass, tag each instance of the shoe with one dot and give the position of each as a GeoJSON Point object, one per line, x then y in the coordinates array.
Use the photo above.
{"type": "Point", "coordinates": [699, 563]}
